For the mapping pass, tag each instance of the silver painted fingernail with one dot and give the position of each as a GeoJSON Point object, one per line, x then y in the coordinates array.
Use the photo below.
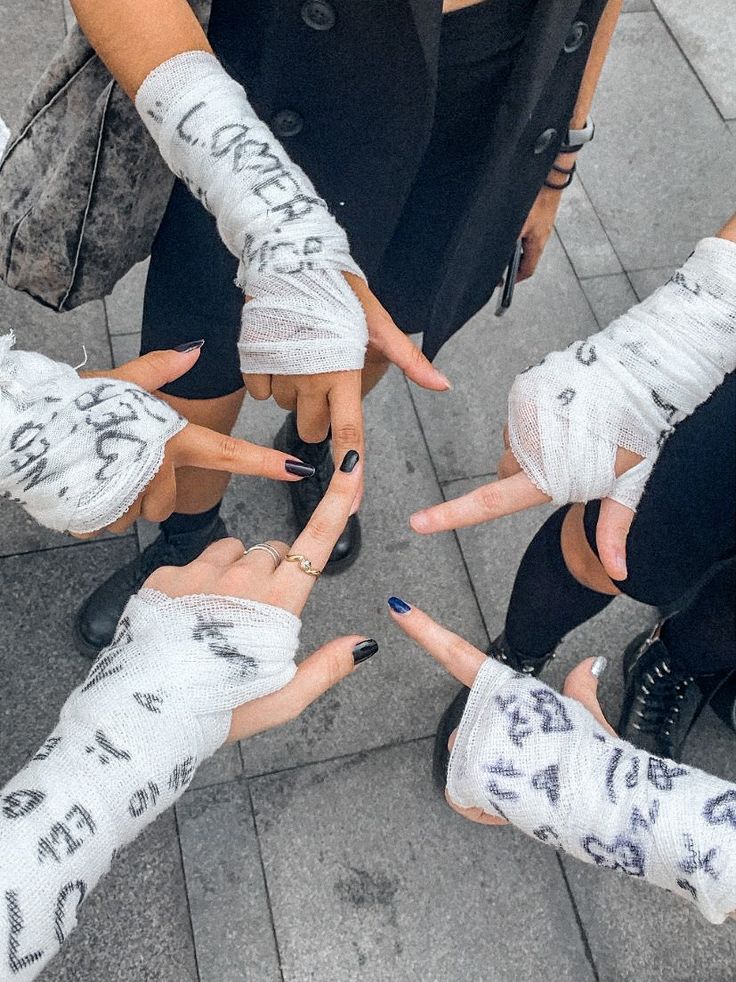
{"type": "Point", "coordinates": [599, 666]}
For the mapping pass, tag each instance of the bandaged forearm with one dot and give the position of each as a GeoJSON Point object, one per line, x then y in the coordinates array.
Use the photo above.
{"type": "Point", "coordinates": [541, 761]}
{"type": "Point", "coordinates": [156, 703]}
{"type": "Point", "coordinates": [628, 385]}
{"type": "Point", "coordinates": [303, 317]}
{"type": "Point", "coordinates": [76, 452]}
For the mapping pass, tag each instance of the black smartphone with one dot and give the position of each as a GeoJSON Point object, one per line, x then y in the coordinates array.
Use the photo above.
{"type": "Point", "coordinates": [509, 282]}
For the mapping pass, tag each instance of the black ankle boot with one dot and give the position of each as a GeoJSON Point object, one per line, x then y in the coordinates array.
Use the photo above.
{"type": "Point", "coordinates": [501, 650]}
{"type": "Point", "coordinates": [98, 616]}
{"type": "Point", "coordinates": [306, 495]}
{"type": "Point", "coordinates": [661, 703]}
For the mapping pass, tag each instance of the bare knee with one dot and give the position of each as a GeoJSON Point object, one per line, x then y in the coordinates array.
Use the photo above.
{"type": "Point", "coordinates": [579, 558]}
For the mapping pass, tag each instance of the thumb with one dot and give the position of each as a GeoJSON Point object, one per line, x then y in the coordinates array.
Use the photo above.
{"type": "Point", "coordinates": [581, 684]}
{"type": "Point", "coordinates": [156, 369]}
{"type": "Point", "coordinates": [314, 676]}
{"type": "Point", "coordinates": [612, 530]}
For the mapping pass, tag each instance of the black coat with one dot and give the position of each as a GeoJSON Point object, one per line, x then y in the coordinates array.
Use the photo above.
{"type": "Point", "coordinates": [349, 87]}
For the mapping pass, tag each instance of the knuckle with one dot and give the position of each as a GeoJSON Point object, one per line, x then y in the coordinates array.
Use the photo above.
{"type": "Point", "coordinates": [488, 499]}
{"type": "Point", "coordinates": [229, 449]}
{"type": "Point", "coordinates": [320, 529]}
{"type": "Point", "coordinates": [348, 433]}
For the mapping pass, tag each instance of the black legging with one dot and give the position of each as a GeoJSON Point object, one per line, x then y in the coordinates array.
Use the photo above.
{"type": "Point", "coordinates": [682, 542]}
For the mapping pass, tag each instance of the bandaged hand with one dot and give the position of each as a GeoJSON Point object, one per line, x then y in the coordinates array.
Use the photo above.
{"type": "Point", "coordinates": [203, 654]}
{"type": "Point", "coordinates": [552, 766]}
{"type": "Point", "coordinates": [307, 299]}
{"type": "Point", "coordinates": [96, 451]}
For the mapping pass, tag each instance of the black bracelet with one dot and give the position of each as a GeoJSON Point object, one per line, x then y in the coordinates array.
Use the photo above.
{"type": "Point", "coordinates": [569, 175]}
{"type": "Point", "coordinates": [565, 170]}
{"type": "Point", "coordinates": [568, 148]}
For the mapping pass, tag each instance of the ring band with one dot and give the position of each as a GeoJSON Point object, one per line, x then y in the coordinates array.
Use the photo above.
{"type": "Point", "coordinates": [305, 565]}
{"type": "Point", "coordinates": [265, 547]}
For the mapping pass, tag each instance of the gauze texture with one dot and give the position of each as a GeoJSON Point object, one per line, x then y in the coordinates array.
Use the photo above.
{"type": "Point", "coordinates": [76, 452]}
{"type": "Point", "coordinates": [628, 385]}
{"type": "Point", "coordinates": [529, 755]}
{"type": "Point", "coordinates": [156, 703]}
{"type": "Point", "coordinates": [302, 317]}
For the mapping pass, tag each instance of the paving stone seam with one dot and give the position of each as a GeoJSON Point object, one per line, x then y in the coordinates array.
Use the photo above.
{"type": "Point", "coordinates": [265, 881]}
{"type": "Point", "coordinates": [683, 55]}
{"type": "Point", "coordinates": [581, 927]}
{"type": "Point", "coordinates": [182, 864]}
{"type": "Point", "coordinates": [71, 545]}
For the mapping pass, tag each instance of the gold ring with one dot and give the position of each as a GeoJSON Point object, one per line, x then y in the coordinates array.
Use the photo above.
{"type": "Point", "coordinates": [265, 547]}
{"type": "Point", "coordinates": [304, 565]}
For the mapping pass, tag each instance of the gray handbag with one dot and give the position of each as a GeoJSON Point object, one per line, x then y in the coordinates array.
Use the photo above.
{"type": "Point", "coordinates": [83, 187]}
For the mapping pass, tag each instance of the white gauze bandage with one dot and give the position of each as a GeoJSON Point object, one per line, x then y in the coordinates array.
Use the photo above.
{"type": "Point", "coordinates": [539, 759]}
{"type": "Point", "coordinates": [303, 317]}
{"type": "Point", "coordinates": [628, 385]}
{"type": "Point", "coordinates": [76, 452]}
{"type": "Point", "coordinates": [156, 703]}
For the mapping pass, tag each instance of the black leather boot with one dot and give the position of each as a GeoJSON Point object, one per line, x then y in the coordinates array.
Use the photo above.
{"type": "Point", "coordinates": [306, 495]}
{"type": "Point", "coordinates": [502, 651]}
{"type": "Point", "coordinates": [661, 703]}
{"type": "Point", "coordinates": [98, 616]}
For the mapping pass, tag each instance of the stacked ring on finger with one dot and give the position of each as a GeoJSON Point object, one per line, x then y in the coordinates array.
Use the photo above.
{"type": "Point", "coordinates": [266, 547]}
{"type": "Point", "coordinates": [305, 565]}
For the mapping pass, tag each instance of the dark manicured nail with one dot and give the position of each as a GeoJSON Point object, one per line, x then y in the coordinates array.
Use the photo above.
{"type": "Point", "coordinates": [189, 346]}
{"type": "Point", "coordinates": [298, 468]}
{"type": "Point", "coordinates": [351, 459]}
{"type": "Point", "coordinates": [398, 606]}
{"type": "Point", "coordinates": [364, 650]}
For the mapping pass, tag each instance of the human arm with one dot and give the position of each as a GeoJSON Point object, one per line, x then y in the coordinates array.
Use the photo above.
{"type": "Point", "coordinates": [551, 765]}
{"type": "Point", "coordinates": [203, 654]}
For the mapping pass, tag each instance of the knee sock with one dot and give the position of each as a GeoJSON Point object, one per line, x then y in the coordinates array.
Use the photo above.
{"type": "Point", "coordinates": [702, 637]}
{"type": "Point", "coordinates": [547, 601]}
{"type": "Point", "coordinates": [180, 523]}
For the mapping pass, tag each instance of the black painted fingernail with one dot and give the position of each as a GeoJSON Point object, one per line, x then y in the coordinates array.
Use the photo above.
{"type": "Point", "coordinates": [298, 468]}
{"type": "Point", "coordinates": [398, 606]}
{"type": "Point", "coordinates": [364, 650]}
{"type": "Point", "coordinates": [189, 346]}
{"type": "Point", "coordinates": [349, 461]}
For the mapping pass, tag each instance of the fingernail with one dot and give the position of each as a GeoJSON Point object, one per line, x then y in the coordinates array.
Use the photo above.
{"type": "Point", "coordinates": [599, 666]}
{"type": "Point", "coordinates": [189, 346]}
{"type": "Point", "coordinates": [445, 379]}
{"type": "Point", "coordinates": [298, 468]}
{"type": "Point", "coordinates": [364, 650]}
{"type": "Point", "coordinates": [419, 522]}
{"type": "Point", "coordinates": [349, 461]}
{"type": "Point", "coordinates": [619, 559]}
{"type": "Point", "coordinates": [398, 606]}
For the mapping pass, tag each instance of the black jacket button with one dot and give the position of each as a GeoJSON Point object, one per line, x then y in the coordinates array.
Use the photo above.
{"type": "Point", "coordinates": [575, 37]}
{"type": "Point", "coordinates": [318, 14]}
{"type": "Point", "coordinates": [544, 140]}
{"type": "Point", "coordinates": [286, 122]}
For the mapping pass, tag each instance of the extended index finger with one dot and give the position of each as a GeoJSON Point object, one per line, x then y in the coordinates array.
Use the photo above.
{"type": "Point", "coordinates": [483, 504]}
{"type": "Point", "coordinates": [318, 539]}
{"type": "Point", "coordinates": [197, 446]}
{"type": "Point", "coordinates": [455, 654]}
{"type": "Point", "coordinates": [346, 420]}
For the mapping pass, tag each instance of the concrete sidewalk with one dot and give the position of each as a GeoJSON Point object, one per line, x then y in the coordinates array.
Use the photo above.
{"type": "Point", "coordinates": [321, 851]}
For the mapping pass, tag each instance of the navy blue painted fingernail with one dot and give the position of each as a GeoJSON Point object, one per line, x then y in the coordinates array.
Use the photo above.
{"type": "Point", "coordinates": [364, 650]}
{"type": "Point", "coordinates": [189, 346]}
{"type": "Point", "coordinates": [298, 468]}
{"type": "Point", "coordinates": [349, 461]}
{"type": "Point", "coordinates": [398, 606]}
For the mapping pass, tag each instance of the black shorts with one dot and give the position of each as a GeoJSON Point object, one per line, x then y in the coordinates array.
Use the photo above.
{"type": "Point", "coordinates": [686, 520]}
{"type": "Point", "coordinates": [190, 291]}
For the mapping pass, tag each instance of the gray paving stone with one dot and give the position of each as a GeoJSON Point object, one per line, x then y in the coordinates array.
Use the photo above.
{"type": "Point", "coordinates": [31, 33]}
{"type": "Point", "coordinates": [636, 931]}
{"type": "Point", "coordinates": [39, 664]}
{"type": "Point", "coordinates": [135, 926]}
{"type": "Point", "coordinates": [708, 43]}
{"type": "Point", "coordinates": [371, 876]}
{"type": "Point", "coordinates": [656, 129]}
{"type": "Point", "coordinates": [125, 347]}
{"type": "Point", "coordinates": [583, 237]}
{"type": "Point", "coordinates": [636, 6]}
{"type": "Point", "coordinates": [646, 281]}
{"type": "Point", "coordinates": [463, 428]}
{"type": "Point", "coordinates": [125, 303]}
{"type": "Point", "coordinates": [61, 336]}
{"type": "Point", "coordinates": [69, 18]}
{"type": "Point", "coordinates": [399, 694]}
{"type": "Point", "coordinates": [233, 933]}
{"type": "Point", "coordinates": [609, 296]}
{"type": "Point", "coordinates": [224, 766]}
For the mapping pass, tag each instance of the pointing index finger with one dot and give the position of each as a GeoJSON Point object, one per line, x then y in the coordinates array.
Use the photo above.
{"type": "Point", "coordinates": [197, 446]}
{"type": "Point", "coordinates": [483, 504]}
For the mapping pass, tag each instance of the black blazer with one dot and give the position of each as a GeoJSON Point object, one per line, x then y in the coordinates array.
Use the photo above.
{"type": "Point", "coordinates": [349, 87]}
